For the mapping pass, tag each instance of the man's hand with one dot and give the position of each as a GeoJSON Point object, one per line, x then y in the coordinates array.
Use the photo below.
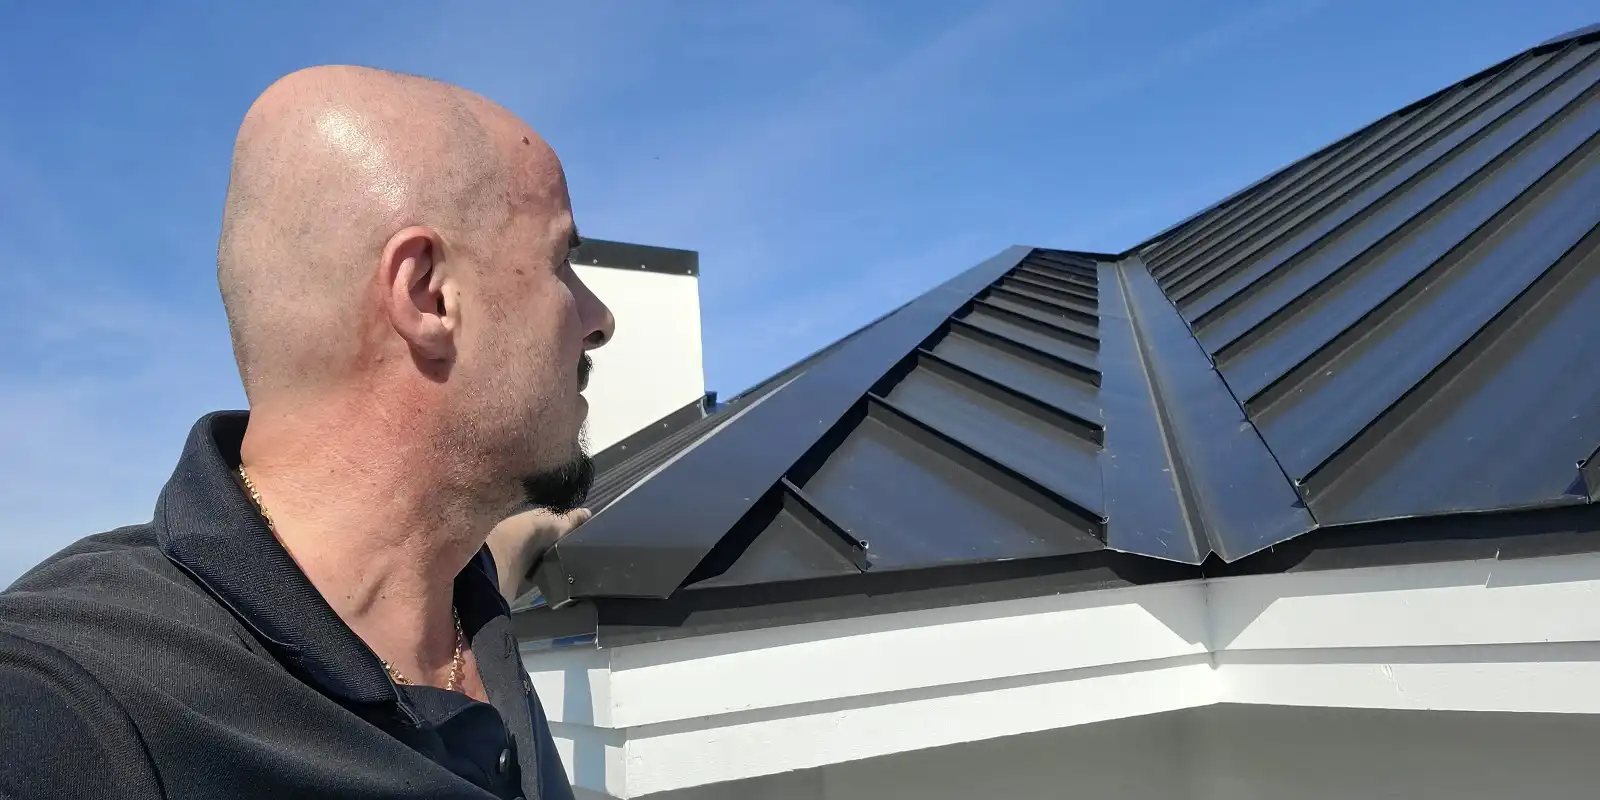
{"type": "Point", "coordinates": [518, 542]}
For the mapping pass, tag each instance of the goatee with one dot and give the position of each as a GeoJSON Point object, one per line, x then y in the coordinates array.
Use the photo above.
{"type": "Point", "coordinates": [561, 489]}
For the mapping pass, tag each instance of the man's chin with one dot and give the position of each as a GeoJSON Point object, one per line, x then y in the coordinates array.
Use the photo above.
{"type": "Point", "coordinates": [562, 488]}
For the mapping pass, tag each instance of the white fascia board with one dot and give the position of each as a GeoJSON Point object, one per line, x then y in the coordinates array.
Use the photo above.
{"type": "Point", "coordinates": [1480, 635]}
{"type": "Point", "coordinates": [1534, 678]}
{"type": "Point", "coordinates": [857, 658]}
{"type": "Point", "coordinates": [1447, 604]}
{"type": "Point", "coordinates": [676, 755]}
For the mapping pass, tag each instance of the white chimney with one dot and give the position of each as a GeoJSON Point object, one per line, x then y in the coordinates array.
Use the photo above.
{"type": "Point", "coordinates": [652, 367]}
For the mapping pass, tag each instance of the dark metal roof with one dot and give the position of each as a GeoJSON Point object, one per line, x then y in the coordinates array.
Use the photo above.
{"type": "Point", "coordinates": [1400, 327]}
{"type": "Point", "coordinates": [1406, 318]}
{"type": "Point", "coordinates": [629, 461]}
{"type": "Point", "coordinates": [638, 457]}
{"type": "Point", "coordinates": [1575, 33]}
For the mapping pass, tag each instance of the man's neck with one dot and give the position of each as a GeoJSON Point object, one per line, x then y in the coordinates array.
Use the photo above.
{"type": "Point", "coordinates": [380, 539]}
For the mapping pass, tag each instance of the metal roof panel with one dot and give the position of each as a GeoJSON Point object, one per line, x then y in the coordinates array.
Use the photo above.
{"type": "Point", "coordinates": [1414, 332]}
{"type": "Point", "coordinates": [904, 488]}
{"type": "Point", "coordinates": [1491, 175]}
{"type": "Point", "coordinates": [1325, 304]}
{"type": "Point", "coordinates": [1516, 111]}
{"type": "Point", "coordinates": [1504, 422]}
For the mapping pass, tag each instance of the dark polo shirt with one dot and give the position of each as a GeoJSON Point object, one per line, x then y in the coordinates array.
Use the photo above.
{"type": "Point", "coordinates": [190, 658]}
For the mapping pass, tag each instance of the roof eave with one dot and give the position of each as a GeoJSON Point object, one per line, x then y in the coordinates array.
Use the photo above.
{"type": "Point", "coordinates": [1487, 634]}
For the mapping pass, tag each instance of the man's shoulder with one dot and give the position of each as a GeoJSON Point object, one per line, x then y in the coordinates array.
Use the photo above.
{"type": "Point", "coordinates": [57, 720]}
{"type": "Point", "coordinates": [90, 557]}
{"type": "Point", "coordinates": [103, 595]}
{"type": "Point", "coordinates": [123, 567]}
{"type": "Point", "coordinates": [68, 628]}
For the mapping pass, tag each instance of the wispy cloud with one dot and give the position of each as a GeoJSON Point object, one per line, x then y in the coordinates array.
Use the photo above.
{"type": "Point", "coordinates": [743, 169]}
{"type": "Point", "coordinates": [785, 328]}
{"type": "Point", "coordinates": [763, 188]}
{"type": "Point", "coordinates": [99, 385]}
{"type": "Point", "coordinates": [1228, 31]}
{"type": "Point", "coordinates": [764, 193]}
{"type": "Point", "coordinates": [93, 420]}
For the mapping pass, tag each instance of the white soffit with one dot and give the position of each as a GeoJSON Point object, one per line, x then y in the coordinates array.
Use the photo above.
{"type": "Point", "coordinates": [1467, 636]}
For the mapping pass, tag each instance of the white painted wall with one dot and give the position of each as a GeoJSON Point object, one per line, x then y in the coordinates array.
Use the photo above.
{"type": "Point", "coordinates": [653, 366]}
{"type": "Point", "coordinates": [1228, 752]}
{"type": "Point", "coordinates": [1486, 636]}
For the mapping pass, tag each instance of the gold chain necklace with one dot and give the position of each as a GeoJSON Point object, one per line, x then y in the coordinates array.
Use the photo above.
{"type": "Point", "coordinates": [457, 663]}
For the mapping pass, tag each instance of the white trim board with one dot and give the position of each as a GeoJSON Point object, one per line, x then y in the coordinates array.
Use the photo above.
{"type": "Point", "coordinates": [1483, 635]}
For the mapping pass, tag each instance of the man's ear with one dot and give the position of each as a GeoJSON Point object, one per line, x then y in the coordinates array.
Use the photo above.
{"type": "Point", "coordinates": [417, 299]}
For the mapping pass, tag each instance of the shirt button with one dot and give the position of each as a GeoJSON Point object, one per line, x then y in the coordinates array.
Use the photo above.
{"type": "Point", "coordinates": [505, 761]}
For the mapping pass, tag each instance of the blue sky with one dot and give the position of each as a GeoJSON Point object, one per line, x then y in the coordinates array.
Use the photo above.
{"type": "Point", "coordinates": [828, 159]}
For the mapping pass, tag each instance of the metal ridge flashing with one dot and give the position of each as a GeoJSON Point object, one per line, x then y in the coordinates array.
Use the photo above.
{"type": "Point", "coordinates": [1238, 498]}
{"type": "Point", "coordinates": [648, 542]}
{"type": "Point", "coordinates": [1144, 516]}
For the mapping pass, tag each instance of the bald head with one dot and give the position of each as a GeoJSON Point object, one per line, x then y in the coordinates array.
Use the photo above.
{"type": "Point", "coordinates": [329, 164]}
{"type": "Point", "coordinates": [394, 263]}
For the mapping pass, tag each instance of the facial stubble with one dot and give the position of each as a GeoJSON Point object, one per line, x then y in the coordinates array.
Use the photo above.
{"type": "Point", "coordinates": [565, 487]}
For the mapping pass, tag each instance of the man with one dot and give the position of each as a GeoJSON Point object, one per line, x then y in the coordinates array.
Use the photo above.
{"type": "Point", "coordinates": [312, 611]}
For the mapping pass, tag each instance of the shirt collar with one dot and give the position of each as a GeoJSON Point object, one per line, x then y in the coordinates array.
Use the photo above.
{"type": "Point", "coordinates": [209, 528]}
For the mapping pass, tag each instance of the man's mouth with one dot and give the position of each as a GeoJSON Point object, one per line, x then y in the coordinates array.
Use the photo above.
{"type": "Point", "coordinates": [584, 365]}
